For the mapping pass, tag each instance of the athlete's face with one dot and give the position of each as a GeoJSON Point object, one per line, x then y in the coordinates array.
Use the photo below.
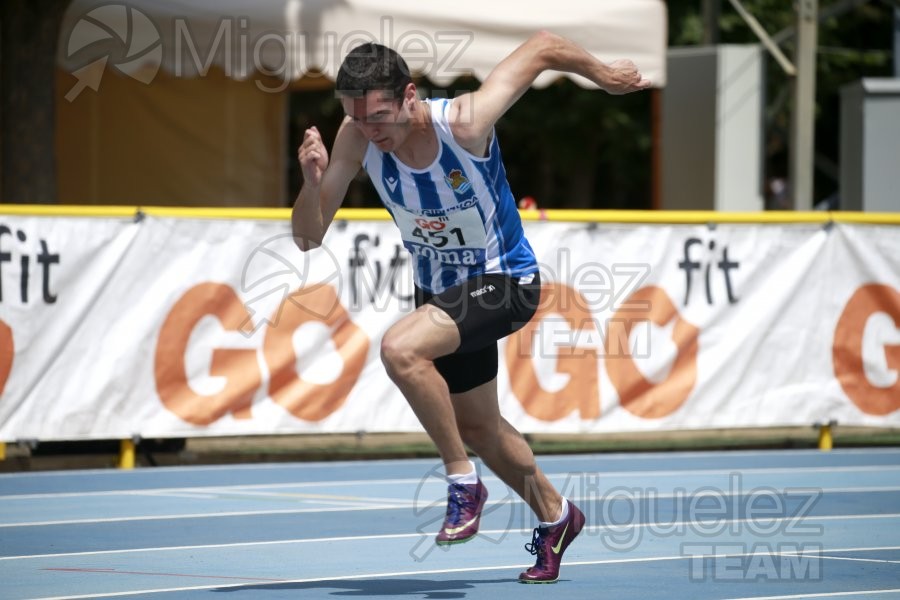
{"type": "Point", "coordinates": [382, 118]}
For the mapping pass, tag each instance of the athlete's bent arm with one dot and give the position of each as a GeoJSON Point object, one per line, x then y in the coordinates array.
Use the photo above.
{"type": "Point", "coordinates": [325, 182]}
{"type": "Point", "coordinates": [474, 114]}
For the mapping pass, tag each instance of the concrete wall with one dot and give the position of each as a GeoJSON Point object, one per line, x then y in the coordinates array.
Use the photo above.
{"type": "Point", "coordinates": [712, 129]}
{"type": "Point", "coordinates": [870, 145]}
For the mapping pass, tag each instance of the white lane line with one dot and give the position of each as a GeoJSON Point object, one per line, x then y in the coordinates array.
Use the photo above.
{"type": "Point", "coordinates": [861, 549]}
{"type": "Point", "coordinates": [351, 503]}
{"type": "Point", "coordinates": [299, 466]}
{"type": "Point", "coordinates": [431, 477]}
{"type": "Point", "coordinates": [767, 520]}
{"type": "Point", "coordinates": [191, 495]}
{"type": "Point", "coordinates": [259, 466]}
{"type": "Point", "coordinates": [707, 454]}
{"type": "Point", "coordinates": [823, 595]}
{"type": "Point", "coordinates": [243, 513]}
{"type": "Point", "coordinates": [349, 538]}
{"type": "Point", "coordinates": [871, 560]}
{"type": "Point", "coordinates": [241, 494]}
{"type": "Point", "coordinates": [492, 532]}
{"type": "Point", "coordinates": [466, 570]}
{"type": "Point", "coordinates": [211, 489]}
{"type": "Point", "coordinates": [266, 495]}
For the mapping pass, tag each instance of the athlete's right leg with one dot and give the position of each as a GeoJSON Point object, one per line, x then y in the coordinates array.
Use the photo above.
{"type": "Point", "coordinates": [408, 351]}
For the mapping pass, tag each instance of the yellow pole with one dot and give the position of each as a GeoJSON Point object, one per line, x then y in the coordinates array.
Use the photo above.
{"type": "Point", "coordinates": [826, 442]}
{"type": "Point", "coordinates": [2, 450]}
{"type": "Point", "coordinates": [126, 454]}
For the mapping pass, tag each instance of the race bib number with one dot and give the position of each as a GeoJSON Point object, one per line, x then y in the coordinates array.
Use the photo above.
{"type": "Point", "coordinates": [455, 238]}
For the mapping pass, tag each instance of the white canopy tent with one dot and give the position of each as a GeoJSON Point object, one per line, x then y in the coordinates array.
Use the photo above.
{"type": "Point", "coordinates": [155, 46]}
{"type": "Point", "coordinates": [291, 37]}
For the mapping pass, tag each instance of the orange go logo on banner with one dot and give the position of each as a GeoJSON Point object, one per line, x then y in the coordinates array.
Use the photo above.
{"type": "Point", "coordinates": [239, 367]}
{"type": "Point", "coordinates": [858, 360]}
{"type": "Point", "coordinates": [582, 391]}
{"type": "Point", "coordinates": [580, 363]}
{"type": "Point", "coordinates": [636, 394]}
{"type": "Point", "coordinates": [7, 352]}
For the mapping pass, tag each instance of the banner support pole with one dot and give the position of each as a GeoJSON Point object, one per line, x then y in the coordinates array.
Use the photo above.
{"type": "Point", "coordinates": [126, 454]}
{"type": "Point", "coordinates": [826, 440]}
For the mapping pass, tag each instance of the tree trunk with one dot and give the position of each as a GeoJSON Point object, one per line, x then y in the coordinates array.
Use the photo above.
{"type": "Point", "coordinates": [29, 30]}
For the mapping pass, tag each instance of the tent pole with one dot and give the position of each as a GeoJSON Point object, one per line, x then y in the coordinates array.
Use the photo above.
{"type": "Point", "coordinates": [711, 10]}
{"type": "Point", "coordinates": [897, 41]}
{"type": "Point", "coordinates": [656, 149]}
{"type": "Point", "coordinates": [764, 38]}
{"type": "Point", "coordinates": [804, 113]}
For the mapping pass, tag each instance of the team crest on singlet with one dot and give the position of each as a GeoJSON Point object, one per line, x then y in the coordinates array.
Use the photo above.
{"type": "Point", "coordinates": [458, 182]}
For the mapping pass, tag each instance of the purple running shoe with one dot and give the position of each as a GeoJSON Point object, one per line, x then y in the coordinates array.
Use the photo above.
{"type": "Point", "coordinates": [549, 543]}
{"type": "Point", "coordinates": [464, 504]}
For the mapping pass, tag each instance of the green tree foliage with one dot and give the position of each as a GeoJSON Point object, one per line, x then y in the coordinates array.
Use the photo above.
{"type": "Point", "coordinates": [855, 42]}
{"type": "Point", "coordinates": [570, 147]}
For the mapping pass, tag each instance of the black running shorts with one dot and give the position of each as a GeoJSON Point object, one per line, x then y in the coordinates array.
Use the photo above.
{"type": "Point", "coordinates": [485, 309]}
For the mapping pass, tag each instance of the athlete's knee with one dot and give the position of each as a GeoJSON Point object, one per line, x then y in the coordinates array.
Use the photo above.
{"type": "Point", "coordinates": [397, 355]}
{"type": "Point", "coordinates": [476, 436]}
{"type": "Point", "coordinates": [479, 434]}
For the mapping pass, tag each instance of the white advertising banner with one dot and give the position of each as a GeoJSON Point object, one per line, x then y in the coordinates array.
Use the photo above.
{"type": "Point", "coordinates": [178, 327]}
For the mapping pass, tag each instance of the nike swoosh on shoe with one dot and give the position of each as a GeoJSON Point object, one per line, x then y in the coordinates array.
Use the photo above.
{"type": "Point", "coordinates": [455, 530]}
{"type": "Point", "coordinates": [562, 538]}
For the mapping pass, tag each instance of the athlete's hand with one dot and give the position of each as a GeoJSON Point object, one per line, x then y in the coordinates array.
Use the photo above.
{"type": "Point", "coordinates": [624, 77]}
{"type": "Point", "coordinates": [313, 157]}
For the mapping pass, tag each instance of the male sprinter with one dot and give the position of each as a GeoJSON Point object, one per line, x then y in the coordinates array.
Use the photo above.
{"type": "Point", "coordinates": [436, 165]}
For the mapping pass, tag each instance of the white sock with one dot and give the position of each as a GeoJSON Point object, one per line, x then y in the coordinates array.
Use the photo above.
{"type": "Point", "coordinates": [563, 516]}
{"type": "Point", "coordinates": [470, 478]}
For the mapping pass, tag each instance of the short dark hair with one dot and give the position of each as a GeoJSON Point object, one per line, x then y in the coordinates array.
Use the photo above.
{"type": "Point", "coordinates": [369, 67]}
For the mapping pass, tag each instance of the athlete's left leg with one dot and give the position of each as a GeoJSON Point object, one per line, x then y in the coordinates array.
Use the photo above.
{"type": "Point", "coordinates": [504, 450]}
{"type": "Point", "coordinates": [508, 455]}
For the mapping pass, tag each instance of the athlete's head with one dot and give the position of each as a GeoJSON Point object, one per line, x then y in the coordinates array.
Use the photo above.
{"type": "Point", "coordinates": [372, 67]}
{"type": "Point", "coordinates": [377, 93]}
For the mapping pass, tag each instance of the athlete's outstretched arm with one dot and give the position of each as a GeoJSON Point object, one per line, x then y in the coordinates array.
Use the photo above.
{"type": "Point", "coordinates": [473, 115]}
{"type": "Point", "coordinates": [325, 181]}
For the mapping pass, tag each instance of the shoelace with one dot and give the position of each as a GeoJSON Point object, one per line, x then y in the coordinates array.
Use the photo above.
{"type": "Point", "coordinates": [537, 543]}
{"type": "Point", "coordinates": [456, 500]}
